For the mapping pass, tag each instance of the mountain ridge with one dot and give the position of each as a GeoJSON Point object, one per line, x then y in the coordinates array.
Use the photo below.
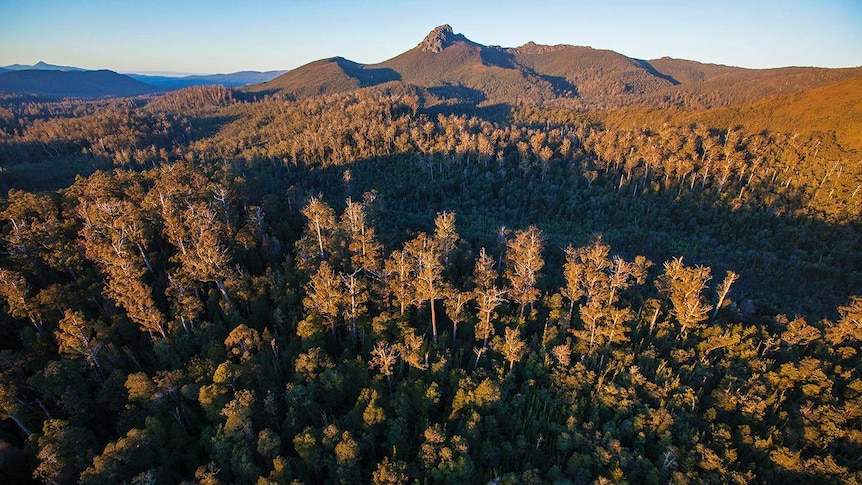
{"type": "Point", "coordinates": [41, 66]}
{"type": "Point", "coordinates": [73, 84]}
{"type": "Point", "coordinates": [42, 80]}
{"type": "Point", "coordinates": [449, 63]}
{"type": "Point", "coordinates": [233, 79]}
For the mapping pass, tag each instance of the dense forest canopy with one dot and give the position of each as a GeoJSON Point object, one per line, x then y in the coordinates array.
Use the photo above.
{"type": "Point", "coordinates": [216, 286]}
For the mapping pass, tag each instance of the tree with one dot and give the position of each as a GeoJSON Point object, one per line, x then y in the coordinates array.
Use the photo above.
{"type": "Point", "coordinates": [723, 289]}
{"type": "Point", "coordinates": [390, 473]}
{"type": "Point", "coordinates": [384, 357]}
{"type": "Point", "coordinates": [184, 303]}
{"type": "Point", "coordinates": [591, 272]}
{"type": "Point", "coordinates": [487, 296]}
{"type": "Point", "coordinates": [15, 290]}
{"type": "Point", "coordinates": [684, 286]}
{"type": "Point", "coordinates": [398, 277]}
{"type": "Point", "coordinates": [445, 235]}
{"type": "Point", "coordinates": [411, 350]}
{"type": "Point", "coordinates": [11, 404]}
{"type": "Point", "coordinates": [318, 240]}
{"type": "Point", "coordinates": [428, 271]}
{"type": "Point", "coordinates": [37, 231]}
{"type": "Point", "coordinates": [523, 263]}
{"type": "Point", "coordinates": [355, 296]}
{"type": "Point", "coordinates": [207, 258]}
{"type": "Point", "coordinates": [64, 451]}
{"type": "Point", "coordinates": [848, 328]}
{"type": "Point", "coordinates": [362, 242]}
{"type": "Point", "coordinates": [78, 337]}
{"type": "Point", "coordinates": [428, 255]}
{"type": "Point", "coordinates": [455, 303]}
{"type": "Point", "coordinates": [511, 346]}
{"type": "Point", "coordinates": [573, 272]}
{"type": "Point", "coordinates": [325, 296]}
{"type": "Point", "coordinates": [243, 342]}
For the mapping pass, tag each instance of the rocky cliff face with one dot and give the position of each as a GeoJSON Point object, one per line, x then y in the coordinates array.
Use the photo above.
{"type": "Point", "coordinates": [438, 39]}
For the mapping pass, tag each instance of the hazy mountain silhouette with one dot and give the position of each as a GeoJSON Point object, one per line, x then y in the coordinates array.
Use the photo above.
{"type": "Point", "coordinates": [61, 84]}
{"type": "Point", "coordinates": [96, 85]}
{"type": "Point", "coordinates": [234, 79]}
{"type": "Point", "coordinates": [449, 63]}
{"type": "Point", "coordinates": [41, 66]}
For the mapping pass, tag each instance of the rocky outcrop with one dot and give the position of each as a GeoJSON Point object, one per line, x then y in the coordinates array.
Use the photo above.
{"type": "Point", "coordinates": [438, 39]}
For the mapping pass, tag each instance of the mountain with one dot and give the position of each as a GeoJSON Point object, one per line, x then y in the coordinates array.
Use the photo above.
{"type": "Point", "coordinates": [41, 66]}
{"type": "Point", "coordinates": [77, 84]}
{"type": "Point", "coordinates": [234, 79]}
{"type": "Point", "coordinates": [326, 76]}
{"type": "Point", "coordinates": [450, 66]}
{"type": "Point", "coordinates": [155, 83]}
{"type": "Point", "coordinates": [710, 85]}
{"type": "Point", "coordinates": [595, 73]}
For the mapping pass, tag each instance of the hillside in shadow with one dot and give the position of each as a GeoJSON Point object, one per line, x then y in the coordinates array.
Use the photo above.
{"type": "Point", "coordinates": [792, 265]}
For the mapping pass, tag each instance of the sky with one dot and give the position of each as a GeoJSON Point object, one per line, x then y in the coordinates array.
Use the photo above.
{"type": "Point", "coordinates": [217, 36]}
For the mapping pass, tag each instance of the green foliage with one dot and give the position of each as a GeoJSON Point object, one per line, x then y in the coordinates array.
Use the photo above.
{"type": "Point", "coordinates": [233, 318]}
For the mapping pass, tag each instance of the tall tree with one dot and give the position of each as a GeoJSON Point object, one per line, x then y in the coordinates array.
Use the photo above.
{"type": "Point", "coordinates": [511, 346]}
{"type": "Point", "coordinates": [115, 236]}
{"type": "Point", "coordinates": [355, 296]}
{"type": "Point", "coordinates": [487, 294]}
{"type": "Point", "coordinates": [38, 232]}
{"type": "Point", "coordinates": [428, 274]}
{"type": "Point", "coordinates": [362, 242]}
{"type": "Point", "coordinates": [79, 338]}
{"type": "Point", "coordinates": [325, 295]}
{"type": "Point", "coordinates": [16, 292]}
{"type": "Point", "coordinates": [384, 357]}
{"type": "Point", "coordinates": [318, 240]}
{"type": "Point", "coordinates": [207, 258]}
{"type": "Point", "coordinates": [723, 289]}
{"type": "Point", "coordinates": [684, 286]}
{"type": "Point", "coordinates": [523, 263]}
{"type": "Point", "coordinates": [455, 302]}
{"type": "Point", "coordinates": [429, 255]}
{"type": "Point", "coordinates": [397, 273]}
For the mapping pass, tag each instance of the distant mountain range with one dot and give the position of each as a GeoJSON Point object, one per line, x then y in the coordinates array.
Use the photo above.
{"type": "Point", "coordinates": [49, 80]}
{"type": "Point", "coordinates": [451, 69]}
{"type": "Point", "coordinates": [77, 84]}
{"type": "Point", "coordinates": [455, 69]}
{"type": "Point", "coordinates": [40, 66]}
{"type": "Point", "coordinates": [234, 79]}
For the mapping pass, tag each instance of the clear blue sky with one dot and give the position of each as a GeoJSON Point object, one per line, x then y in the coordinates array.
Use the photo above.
{"type": "Point", "coordinates": [225, 36]}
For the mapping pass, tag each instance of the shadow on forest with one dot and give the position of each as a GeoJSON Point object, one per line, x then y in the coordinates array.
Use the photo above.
{"type": "Point", "coordinates": [205, 127]}
{"type": "Point", "coordinates": [457, 94]}
{"type": "Point", "coordinates": [788, 264]}
{"type": "Point", "coordinates": [38, 166]}
{"type": "Point", "coordinates": [652, 70]}
{"type": "Point", "coordinates": [33, 166]}
{"type": "Point", "coordinates": [367, 76]}
{"type": "Point", "coordinates": [561, 85]}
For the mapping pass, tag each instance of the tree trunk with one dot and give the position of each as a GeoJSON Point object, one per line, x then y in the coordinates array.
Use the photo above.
{"type": "Point", "coordinates": [433, 321]}
{"type": "Point", "coordinates": [223, 289]}
{"type": "Point", "coordinates": [146, 260]}
{"type": "Point", "coordinates": [21, 424]}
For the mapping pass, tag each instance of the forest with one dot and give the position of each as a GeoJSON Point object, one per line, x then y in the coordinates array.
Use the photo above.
{"type": "Point", "coordinates": [215, 286]}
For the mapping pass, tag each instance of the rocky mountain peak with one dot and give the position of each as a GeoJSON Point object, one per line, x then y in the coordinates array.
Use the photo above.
{"type": "Point", "coordinates": [438, 39]}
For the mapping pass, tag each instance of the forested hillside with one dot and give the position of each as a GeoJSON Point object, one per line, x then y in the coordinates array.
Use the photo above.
{"type": "Point", "coordinates": [385, 285]}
